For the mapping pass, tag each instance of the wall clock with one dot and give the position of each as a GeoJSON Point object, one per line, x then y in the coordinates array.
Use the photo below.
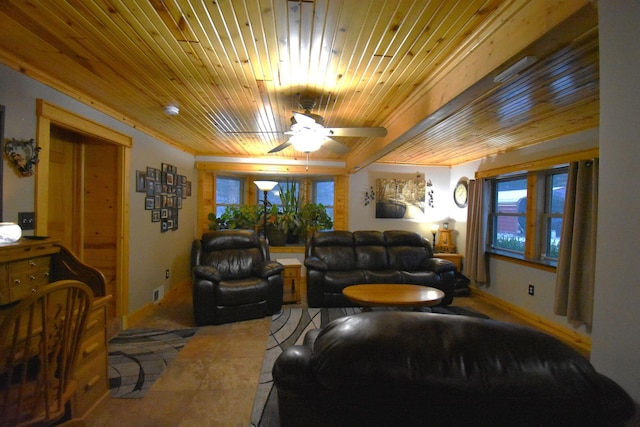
{"type": "Point", "coordinates": [461, 193]}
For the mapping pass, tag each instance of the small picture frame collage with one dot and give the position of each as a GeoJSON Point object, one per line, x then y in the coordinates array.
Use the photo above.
{"type": "Point", "coordinates": [164, 190]}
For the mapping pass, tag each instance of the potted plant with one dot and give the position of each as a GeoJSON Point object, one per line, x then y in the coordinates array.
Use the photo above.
{"type": "Point", "coordinates": [314, 216]}
{"type": "Point", "coordinates": [286, 217]}
{"type": "Point", "coordinates": [244, 216]}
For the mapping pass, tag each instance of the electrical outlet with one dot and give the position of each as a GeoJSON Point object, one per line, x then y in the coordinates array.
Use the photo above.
{"type": "Point", "coordinates": [166, 273]}
{"type": "Point", "coordinates": [531, 289]}
{"type": "Point", "coordinates": [27, 220]}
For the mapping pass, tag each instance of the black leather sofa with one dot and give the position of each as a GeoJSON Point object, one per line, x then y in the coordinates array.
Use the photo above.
{"type": "Point", "coordinates": [233, 278]}
{"type": "Point", "coordinates": [423, 369]}
{"type": "Point", "coordinates": [337, 259]}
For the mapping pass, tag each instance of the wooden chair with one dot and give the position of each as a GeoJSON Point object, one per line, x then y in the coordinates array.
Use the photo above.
{"type": "Point", "coordinates": [40, 338]}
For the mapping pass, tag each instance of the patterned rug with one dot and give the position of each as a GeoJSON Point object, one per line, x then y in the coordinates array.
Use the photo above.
{"type": "Point", "coordinates": [137, 357]}
{"type": "Point", "coordinates": [287, 329]}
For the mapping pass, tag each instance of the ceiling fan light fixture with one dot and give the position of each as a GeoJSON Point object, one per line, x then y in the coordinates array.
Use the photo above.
{"type": "Point", "coordinates": [307, 142]}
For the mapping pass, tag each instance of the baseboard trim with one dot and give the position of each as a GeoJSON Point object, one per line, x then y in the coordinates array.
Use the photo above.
{"type": "Point", "coordinates": [563, 333]}
{"type": "Point", "coordinates": [144, 311]}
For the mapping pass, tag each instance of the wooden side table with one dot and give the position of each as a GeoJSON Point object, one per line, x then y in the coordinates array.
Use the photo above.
{"type": "Point", "coordinates": [454, 258]}
{"type": "Point", "coordinates": [292, 272]}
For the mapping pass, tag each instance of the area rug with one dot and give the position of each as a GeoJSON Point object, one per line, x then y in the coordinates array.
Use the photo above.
{"type": "Point", "coordinates": [288, 328]}
{"type": "Point", "coordinates": [137, 358]}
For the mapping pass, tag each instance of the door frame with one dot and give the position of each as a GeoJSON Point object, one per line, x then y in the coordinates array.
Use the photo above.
{"type": "Point", "coordinates": [49, 114]}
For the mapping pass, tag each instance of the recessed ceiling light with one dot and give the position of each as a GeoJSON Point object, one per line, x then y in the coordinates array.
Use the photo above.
{"type": "Point", "coordinates": [171, 110]}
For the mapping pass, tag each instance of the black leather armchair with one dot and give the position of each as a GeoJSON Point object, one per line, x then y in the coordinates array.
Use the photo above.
{"type": "Point", "coordinates": [418, 369]}
{"type": "Point", "coordinates": [233, 278]}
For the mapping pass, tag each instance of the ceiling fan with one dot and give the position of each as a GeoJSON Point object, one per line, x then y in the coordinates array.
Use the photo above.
{"type": "Point", "coordinates": [308, 133]}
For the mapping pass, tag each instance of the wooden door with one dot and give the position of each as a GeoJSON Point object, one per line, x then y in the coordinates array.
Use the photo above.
{"type": "Point", "coordinates": [83, 201]}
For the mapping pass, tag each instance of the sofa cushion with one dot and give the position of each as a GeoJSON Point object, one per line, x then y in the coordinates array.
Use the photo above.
{"type": "Point", "coordinates": [239, 292]}
{"type": "Point", "coordinates": [450, 355]}
{"type": "Point", "coordinates": [408, 369]}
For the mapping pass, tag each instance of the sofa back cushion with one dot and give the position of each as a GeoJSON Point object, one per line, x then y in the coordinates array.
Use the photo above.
{"type": "Point", "coordinates": [449, 354]}
{"type": "Point", "coordinates": [370, 250]}
{"type": "Point", "coordinates": [406, 250]}
{"type": "Point", "coordinates": [334, 248]}
{"type": "Point", "coordinates": [234, 253]}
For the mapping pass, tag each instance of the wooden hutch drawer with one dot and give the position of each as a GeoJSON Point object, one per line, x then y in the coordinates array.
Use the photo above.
{"type": "Point", "coordinates": [92, 384]}
{"type": "Point", "coordinates": [91, 365]}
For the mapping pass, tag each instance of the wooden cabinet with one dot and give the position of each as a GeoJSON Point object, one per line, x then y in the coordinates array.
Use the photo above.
{"type": "Point", "coordinates": [292, 279]}
{"type": "Point", "coordinates": [29, 264]}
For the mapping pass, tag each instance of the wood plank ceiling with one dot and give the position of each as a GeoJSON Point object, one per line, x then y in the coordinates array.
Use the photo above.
{"type": "Point", "coordinates": [237, 69]}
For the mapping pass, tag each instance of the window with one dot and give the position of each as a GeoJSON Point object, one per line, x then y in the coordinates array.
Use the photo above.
{"type": "Point", "coordinates": [509, 214]}
{"type": "Point", "coordinates": [323, 194]}
{"type": "Point", "coordinates": [526, 214]}
{"type": "Point", "coordinates": [228, 193]}
{"type": "Point", "coordinates": [552, 216]}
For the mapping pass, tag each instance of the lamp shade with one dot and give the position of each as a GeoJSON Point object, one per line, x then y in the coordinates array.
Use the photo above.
{"type": "Point", "coordinates": [265, 185]}
{"type": "Point", "coordinates": [434, 228]}
{"type": "Point", "coordinates": [10, 232]}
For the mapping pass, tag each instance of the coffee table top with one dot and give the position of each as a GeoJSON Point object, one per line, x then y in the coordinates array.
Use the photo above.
{"type": "Point", "coordinates": [391, 294]}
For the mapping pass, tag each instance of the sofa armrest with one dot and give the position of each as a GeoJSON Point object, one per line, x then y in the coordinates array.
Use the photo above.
{"type": "Point", "coordinates": [207, 273]}
{"type": "Point", "coordinates": [315, 264]}
{"type": "Point", "coordinates": [267, 269]}
{"type": "Point", "coordinates": [439, 265]}
{"type": "Point", "coordinates": [292, 369]}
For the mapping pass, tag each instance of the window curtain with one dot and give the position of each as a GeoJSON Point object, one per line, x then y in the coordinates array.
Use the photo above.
{"type": "Point", "coordinates": [575, 275]}
{"type": "Point", "coordinates": [475, 266]}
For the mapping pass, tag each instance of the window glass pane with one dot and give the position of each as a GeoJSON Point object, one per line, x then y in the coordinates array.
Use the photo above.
{"type": "Point", "coordinates": [273, 196]}
{"type": "Point", "coordinates": [227, 191]}
{"type": "Point", "coordinates": [559, 186]}
{"type": "Point", "coordinates": [553, 239]}
{"type": "Point", "coordinates": [510, 219]}
{"type": "Point", "coordinates": [324, 192]}
{"type": "Point", "coordinates": [556, 195]}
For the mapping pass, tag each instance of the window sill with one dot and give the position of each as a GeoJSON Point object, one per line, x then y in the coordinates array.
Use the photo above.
{"type": "Point", "coordinates": [520, 259]}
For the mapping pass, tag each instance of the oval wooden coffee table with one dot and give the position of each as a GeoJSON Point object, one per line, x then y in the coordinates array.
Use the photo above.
{"type": "Point", "coordinates": [393, 295]}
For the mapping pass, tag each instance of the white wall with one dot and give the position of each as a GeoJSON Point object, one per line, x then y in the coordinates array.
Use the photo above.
{"type": "Point", "coordinates": [151, 252]}
{"type": "Point", "coordinates": [363, 217]}
{"type": "Point", "coordinates": [616, 331]}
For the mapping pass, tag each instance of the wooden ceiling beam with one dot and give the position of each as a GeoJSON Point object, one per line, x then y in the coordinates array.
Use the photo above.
{"type": "Point", "coordinates": [541, 25]}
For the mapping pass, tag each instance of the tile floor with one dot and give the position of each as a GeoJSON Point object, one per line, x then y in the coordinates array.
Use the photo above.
{"type": "Point", "coordinates": [213, 380]}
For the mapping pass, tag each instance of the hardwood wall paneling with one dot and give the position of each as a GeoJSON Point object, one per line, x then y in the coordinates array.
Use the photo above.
{"type": "Point", "coordinates": [100, 207]}
{"type": "Point", "coordinates": [206, 198]}
{"type": "Point", "coordinates": [62, 195]}
{"type": "Point", "coordinates": [340, 197]}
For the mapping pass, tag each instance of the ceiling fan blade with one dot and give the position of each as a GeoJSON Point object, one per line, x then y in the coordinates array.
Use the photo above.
{"type": "Point", "coordinates": [335, 146]}
{"type": "Point", "coordinates": [280, 147]}
{"type": "Point", "coordinates": [370, 132]}
{"type": "Point", "coordinates": [303, 119]}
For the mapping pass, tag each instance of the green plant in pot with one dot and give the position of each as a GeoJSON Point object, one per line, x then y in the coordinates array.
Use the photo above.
{"type": "Point", "coordinates": [314, 216]}
{"type": "Point", "coordinates": [244, 216]}
{"type": "Point", "coordinates": [286, 217]}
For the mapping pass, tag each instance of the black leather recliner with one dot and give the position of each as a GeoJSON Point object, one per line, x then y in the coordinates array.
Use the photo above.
{"type": "Point", "coordinates": [233, 278]}
{"type": "Point", "coordinates": [423, 369]}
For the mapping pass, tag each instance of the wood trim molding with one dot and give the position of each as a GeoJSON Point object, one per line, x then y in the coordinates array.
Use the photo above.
{"type": "Point", "coordinates": [541, 164]}
{"type": "Point", "coordinates": [70, 120]}
{"type": "Point", "coordinates": [563, 333]}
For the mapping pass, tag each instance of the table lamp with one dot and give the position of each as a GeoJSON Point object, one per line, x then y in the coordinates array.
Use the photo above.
{"type": "Point", "coordinates": [434, 229]}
